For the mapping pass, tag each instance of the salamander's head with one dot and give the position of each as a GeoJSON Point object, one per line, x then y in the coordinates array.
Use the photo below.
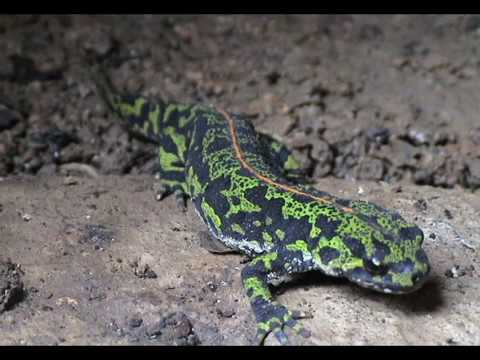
{"type": "Point", "coordinates": [377, 249]}
{"type": "Point", "coordinates": [397, 268]}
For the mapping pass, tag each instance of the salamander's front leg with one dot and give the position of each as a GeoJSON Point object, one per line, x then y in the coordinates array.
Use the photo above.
{"type": "Point", "coordinates": [270, 315]}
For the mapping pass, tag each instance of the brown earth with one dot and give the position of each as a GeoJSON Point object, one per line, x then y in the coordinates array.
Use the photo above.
{"type": "Point", "coordinates": [102, 262]}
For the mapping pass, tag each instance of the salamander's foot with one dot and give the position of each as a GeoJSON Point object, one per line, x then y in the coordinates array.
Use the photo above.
{"type": "Point", "coordinates": [276, 319]}
{"type": "Point", "coordinates": [182, 199]}
{"type": "Point", "coordinates": [161, 191]}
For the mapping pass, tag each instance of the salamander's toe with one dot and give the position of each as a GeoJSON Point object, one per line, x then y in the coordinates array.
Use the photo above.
{"type": "Point", "coordinates": [278, 324]}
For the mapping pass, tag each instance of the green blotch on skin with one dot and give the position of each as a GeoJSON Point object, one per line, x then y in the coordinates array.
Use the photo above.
{"type": "Point", "coordinates": [214, 119]}
{"type": "Point", "coordinates": [194, 185]}
{"type": "Point", "coordinates": [408, 250]}
{"type": "Point", "coordinates": [263, 326]}
{"type": "Point", "coordinates": [280, 234]}
{"type": "Point", "coordinates": [168, 111]}
{"type": "Point", "coordinates": [316, 256]}
{"type": "Point", "coordinates": [276, 146]}
{"type": "Point", "coordinates": [315, 231]}
{"type": "Point", "coordinates": [268, 325]}
{"type": "Point", "coordinates": [268, 221]}
{"type": "Point", "coordinates": [179, 141]}
{"type": "Point", "coordinates": [267, 260]}
{"type": "Point", "coordinates": [237, 228]}
{"type": "Point", "coordinates": [267, 238]}
{"type": "Point", "coordinates": [396, 254]}
{"type": "Point", "coordinates": [210, 213]}
{"type": "Point", "coordinates": [135, 109]}
{"type": "Point", "coordinates": [354, 227]}
{"type": "Point", "coordinates": [257, 223]}
{"type": "Point", "coordinates": [167, 161]}
{"type": "Point", "coordinates": [185, 120]}
{"type": "Point", "coordinates": [181, 107]}
{"type": "Point", "coordinates": [146, 126]}
{"type": "Point", "coordinates": [293, 208]}
{"type": "Point", "coordinates": [239, 186]}
{"type": "Point", "coordinates": [364, 208]}
{"type": "Point", "coordinates": [344, 261]}
{"type": "Point", "coordinates": [209, 139]}
{"type": "Point", "coordinates": [403, 279]}
{"type": "Point", "coordinates": [220, 162]}
{"type": "Point", "coordinates": [153, 117]}
{"type": "Point", "coordinates": [258, 288]}
{"type": "Point", "coordinates": [353, 263]}
{"type": "Point", "coordinates": [291, 163]}
{"type": "Point", "coordinates": [298, 245]}
{"type": "Point", "coordinates": [384, 218]}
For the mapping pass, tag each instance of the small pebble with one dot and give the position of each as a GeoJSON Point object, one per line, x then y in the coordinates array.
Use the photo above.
{"type": "Point", "coordinates": [212, 286]}
{"type": "Point", "coordinates": [135, 323]}
{"type": "Point", "coordinates": [26, 217]}
{"type": "Point", "coordinates": [421, 205]}
{"type": "Point", "coordinates": [8, 118]}
{"type": "Point", "coordinates": [397, 189]}
{"type": "Point", "coordinates": [419, 137]}
{"type": "Point", "coordinates": [451, 341]}
{"type": "Point", "coordinates": [455, 272]}
{"type": "Point", "coordinates": [226, 312]}
{"type": "Point", "coordinates": [448, 214]}
{"type": "Point", "coordinates": [70, 180]}
{"type": "Point", "coordinates": [379, 135]}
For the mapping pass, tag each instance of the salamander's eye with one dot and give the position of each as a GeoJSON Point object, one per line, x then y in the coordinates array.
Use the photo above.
{"type": "Point", "coordinates": [375, 268]}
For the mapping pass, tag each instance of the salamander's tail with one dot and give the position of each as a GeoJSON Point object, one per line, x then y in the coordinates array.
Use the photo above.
{"type": "Point", "coordinates": [142, 116]}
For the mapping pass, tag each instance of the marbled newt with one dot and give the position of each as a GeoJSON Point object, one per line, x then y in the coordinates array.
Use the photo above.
{"type": "Point", "coordinates": [248, 189]}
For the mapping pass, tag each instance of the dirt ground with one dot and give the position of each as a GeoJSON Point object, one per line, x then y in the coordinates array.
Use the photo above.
{"type": "Point", "coordinates": [96, 269]}
{"type": "Point", "coordinates": [383, 108]}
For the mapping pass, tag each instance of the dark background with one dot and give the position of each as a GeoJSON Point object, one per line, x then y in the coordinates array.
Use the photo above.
{"type": "Point", "coordinates": [372, 97]}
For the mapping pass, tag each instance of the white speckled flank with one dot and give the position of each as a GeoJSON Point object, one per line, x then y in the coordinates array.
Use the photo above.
{"type": "Point", "coordinates": [325, 269]}
{"type": "Point", "coordinates": [245, 245]}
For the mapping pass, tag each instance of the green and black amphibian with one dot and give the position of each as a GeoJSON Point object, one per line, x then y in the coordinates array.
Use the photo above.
{"type": "Point", "coordinates": [246, 188]}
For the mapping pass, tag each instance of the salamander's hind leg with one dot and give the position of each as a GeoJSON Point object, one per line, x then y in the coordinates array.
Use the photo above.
{"type": "Point", "coordinates": [167, 188]}
{"type": "Point", "coordinates": [280, 154]}
{"type": "Point", "coordinates": [172, 182]}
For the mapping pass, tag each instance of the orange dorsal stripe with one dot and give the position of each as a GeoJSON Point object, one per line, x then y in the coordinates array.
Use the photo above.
{"type": "Point", "coordinates": [241, 157]}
